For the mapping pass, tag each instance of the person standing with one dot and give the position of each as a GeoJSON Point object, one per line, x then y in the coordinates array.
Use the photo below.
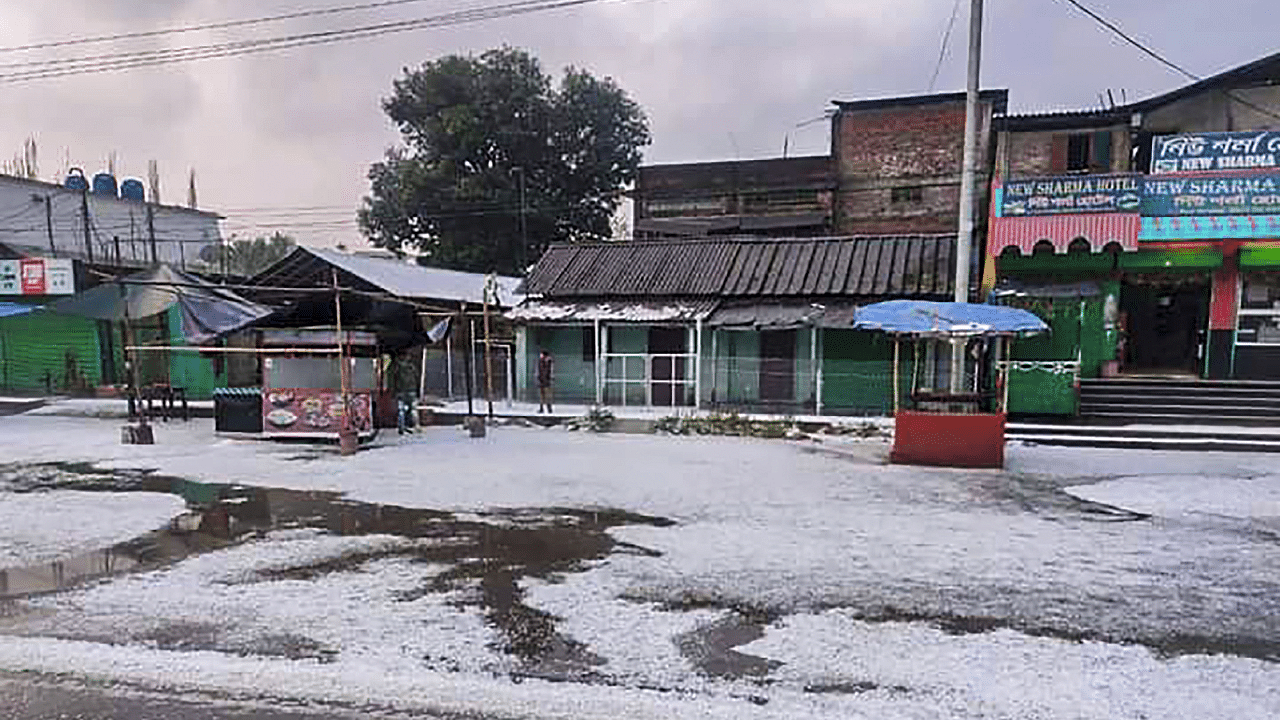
{"type": "Point", "coordinates": [546, 374]}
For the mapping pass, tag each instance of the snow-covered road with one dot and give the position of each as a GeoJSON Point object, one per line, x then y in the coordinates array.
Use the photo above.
{"type": "Point", "coordinates": [794, 580]}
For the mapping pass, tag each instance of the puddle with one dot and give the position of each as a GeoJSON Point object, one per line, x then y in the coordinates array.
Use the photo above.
{"type": "Point", "coordinates": [489, 553]}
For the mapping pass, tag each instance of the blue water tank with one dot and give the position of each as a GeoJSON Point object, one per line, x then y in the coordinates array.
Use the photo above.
{"type": "Point", "coordinates": [76, 181]}
{"type": "Point", "coordinates": [104, 184]}
{"type": "Point", "coordinates": [133, 189]}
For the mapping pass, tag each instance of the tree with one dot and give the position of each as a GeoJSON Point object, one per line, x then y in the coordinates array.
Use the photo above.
{"type": "Point", "coordinates": [247, 258]}
{"type": "Point", "coordinates": [497, 163]}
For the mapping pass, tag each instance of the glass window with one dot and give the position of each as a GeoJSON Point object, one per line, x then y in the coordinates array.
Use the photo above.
{"type": "Point", "coordinates": [1259, 310]}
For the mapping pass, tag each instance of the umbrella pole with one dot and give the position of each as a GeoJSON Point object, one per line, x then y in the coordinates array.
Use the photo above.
{"type": "Point", "coordinates": [897, 347]}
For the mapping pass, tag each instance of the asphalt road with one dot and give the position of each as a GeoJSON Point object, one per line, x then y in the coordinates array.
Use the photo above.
{"type": "Point", "coordinates": [25, 698]}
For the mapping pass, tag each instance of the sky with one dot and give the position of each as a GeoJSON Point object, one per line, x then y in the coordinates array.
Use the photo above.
{"type": "Point", "coordinates": [283, 141]}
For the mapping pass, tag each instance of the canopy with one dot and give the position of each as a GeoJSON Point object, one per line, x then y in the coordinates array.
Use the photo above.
{"type": "Point", "coordinates": [8, 309]}
{"type": "Point", "coordinates": [207, 310]}
{"type": "Point", "coordinates": [946, 319]}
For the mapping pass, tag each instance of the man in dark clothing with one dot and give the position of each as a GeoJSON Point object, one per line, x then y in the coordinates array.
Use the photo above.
{"type": "Point", "coordinates": [546, 368]}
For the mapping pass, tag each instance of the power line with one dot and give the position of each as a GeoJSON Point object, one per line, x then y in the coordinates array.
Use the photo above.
{"type": "Point", "coordinates": [218, 25]}
{"type": "Point", "coordinates": [946, 39]}
{"type": "Point", "coordinates": [129, 61]}
{"type": "Point", "coordinates": [1163, 60]}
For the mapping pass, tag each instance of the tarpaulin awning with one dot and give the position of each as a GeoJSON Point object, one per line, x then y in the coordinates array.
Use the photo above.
{"type": "Point", "coordinates": [782, 315]}
{"type": "Point", "coordinates": [639, 311]}
{"type": "Point", "coordinates": [11, 309]}
{"type": "Point", "coordinates": [207, 310]}
{"type": "Point", "coordinates": [946, 319]}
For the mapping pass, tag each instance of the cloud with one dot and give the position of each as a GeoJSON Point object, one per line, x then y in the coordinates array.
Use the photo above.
{"type": "Point", "coordinates": [718, 79]}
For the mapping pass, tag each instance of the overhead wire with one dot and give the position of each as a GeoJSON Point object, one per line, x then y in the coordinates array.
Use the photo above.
{"type": "Point", "coordinates": [1114, 28]}
{"type": "Point", "coordinates": [42, 70]}
{"type": "Point", "coordinates": [216, 25]}
{"type": "Point", "coordinates": [946, 39]}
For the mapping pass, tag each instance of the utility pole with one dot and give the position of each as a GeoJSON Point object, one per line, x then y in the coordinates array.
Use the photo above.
{"type": "Point", "coordinates": [151, 234]}
{"type": "Point", "coordinates": [84, 216]}
{"type": "Point", "coordinates": [968, 178]}
{"type": "Point", "coordinates": [48, 224]}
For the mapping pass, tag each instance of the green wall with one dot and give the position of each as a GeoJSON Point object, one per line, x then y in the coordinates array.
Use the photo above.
{"type": "Point", "coordinates": [574, 379]}
{"type": "Point", "coordinates": [857, 375]}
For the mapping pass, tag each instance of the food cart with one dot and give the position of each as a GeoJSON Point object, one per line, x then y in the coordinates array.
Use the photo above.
{"type": "Point", "coordinates": [302, 383]}
{"type": "Point", "coordinates": [953, 428]}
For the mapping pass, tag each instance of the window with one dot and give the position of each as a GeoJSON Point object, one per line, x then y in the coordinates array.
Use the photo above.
{"type": "Point", "coordinates": [1082, 152]}
{"type": "Point", "coordinates": [1259, 322]}
{"type": "Point", "coordinates": [909, 194]}
{"type": "Point", "coordinates": [1078, 152]}
{"type": "Point", "coordinates": [588, 344]}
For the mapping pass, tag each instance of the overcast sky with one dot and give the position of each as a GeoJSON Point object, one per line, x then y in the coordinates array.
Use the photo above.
{"type": "Point", "coordinates": [719, 79]}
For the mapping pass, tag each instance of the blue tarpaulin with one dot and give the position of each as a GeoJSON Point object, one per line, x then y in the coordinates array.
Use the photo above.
{"type": "Point", "coordinates": [7, 309]}
{"type": "Point", "coordinates": [946, 319]}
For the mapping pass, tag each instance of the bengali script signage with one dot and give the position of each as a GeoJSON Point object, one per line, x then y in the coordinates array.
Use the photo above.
{"type": "Point", "coordinates": [1072, 195]}
{"type": "Point", "coordinates": [1206, 152]}
{"type": "Point", "coordinates": [1248, 195]}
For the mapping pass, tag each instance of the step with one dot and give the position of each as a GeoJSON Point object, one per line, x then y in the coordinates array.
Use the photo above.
{"type": "Point", "coordinates": [1137, 416]}
{"type": "Point", "coordinates": [1138, 430]}
{"type": "Point", "coordinates": [1180, 392]}
{"type": "Point", "coordinates": [1152, 405]}
{"type": "Point", "coordinates": [1193, 443]}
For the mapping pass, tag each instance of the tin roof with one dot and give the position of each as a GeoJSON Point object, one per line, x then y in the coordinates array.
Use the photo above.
{"type": "Point", "coordinates": [899, 265]}
{"type": "Point", "coordinates": [309, 266]}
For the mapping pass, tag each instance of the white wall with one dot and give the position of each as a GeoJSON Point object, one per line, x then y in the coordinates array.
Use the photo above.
{"type": "Point", "coordinates": [181, 234]}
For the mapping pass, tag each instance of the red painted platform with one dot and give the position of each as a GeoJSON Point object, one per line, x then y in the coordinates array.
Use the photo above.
{"type": "Point", "coordinates": [970, 441]}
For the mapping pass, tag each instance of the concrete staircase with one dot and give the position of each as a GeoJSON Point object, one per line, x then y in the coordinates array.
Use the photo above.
{"type": "Point", "coordinates": [1166, 414]}
{"type": "Point", "coordinates": [1184, 402]}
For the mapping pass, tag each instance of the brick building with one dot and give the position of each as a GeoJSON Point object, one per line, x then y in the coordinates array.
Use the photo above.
{"type": "Point", "coordinates": [776, 197]}
{"type": "Point", "coordinates": [898, 161]}
{"type": "Point", "coordinates": [894, 168]}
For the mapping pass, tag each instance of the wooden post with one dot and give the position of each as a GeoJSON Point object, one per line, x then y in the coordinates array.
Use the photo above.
{"type": "Point", "coordinates": [142, 434]}
{"type": "Point", "coordinates": [346, 434]}
{"type": "Point", "coordinates": [468, 347]}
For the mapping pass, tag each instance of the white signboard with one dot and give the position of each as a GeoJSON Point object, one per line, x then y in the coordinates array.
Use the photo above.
{"type": "Point", "coordinates": [37, 276]}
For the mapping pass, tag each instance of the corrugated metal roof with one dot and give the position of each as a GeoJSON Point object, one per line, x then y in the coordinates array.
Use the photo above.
{"type": "Point", "coordinates": [904, 266]}
{"type": "Point", "coordinates": [399, 278]}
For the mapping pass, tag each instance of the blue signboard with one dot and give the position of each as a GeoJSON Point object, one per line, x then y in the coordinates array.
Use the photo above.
{"type": "Point", "coordinates": [1214, 151]}
{"type": "Point", "coordinates": [1222, 195]}
{"type": "Point", "coordinates": [1071, 195]}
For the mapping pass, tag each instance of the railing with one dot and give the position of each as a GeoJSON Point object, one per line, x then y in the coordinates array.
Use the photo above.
{"type": "Point", "coordinates": [650, 379]}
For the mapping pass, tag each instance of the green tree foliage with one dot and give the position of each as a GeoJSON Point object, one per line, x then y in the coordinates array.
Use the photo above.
{"type": "Point", "coordinates": [247, 258]}
{"type": "Point", "coordinates": [487, 137]}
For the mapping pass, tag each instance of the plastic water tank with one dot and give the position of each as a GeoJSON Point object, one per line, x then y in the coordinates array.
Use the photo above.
{"type": "Point", "coordinates": [133, 189]}
{"type": "Point", "coordinates": [104, 184]}
{"type": "Point", "coordinates": [76, 181]}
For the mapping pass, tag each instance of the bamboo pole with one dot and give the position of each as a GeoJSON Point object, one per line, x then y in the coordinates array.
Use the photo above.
{"type": "Point", "coordinates": [488, 354]}
{"type": "Point", "coordinates": [345, 444]}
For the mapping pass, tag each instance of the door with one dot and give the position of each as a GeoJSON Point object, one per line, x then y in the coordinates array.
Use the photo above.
{"type": "Point", "coordinates": [777, 366]}
{"type": "Point", "coordinates": [667, 373]}
{"type": "Point", "coordinates": [1164, 323]}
